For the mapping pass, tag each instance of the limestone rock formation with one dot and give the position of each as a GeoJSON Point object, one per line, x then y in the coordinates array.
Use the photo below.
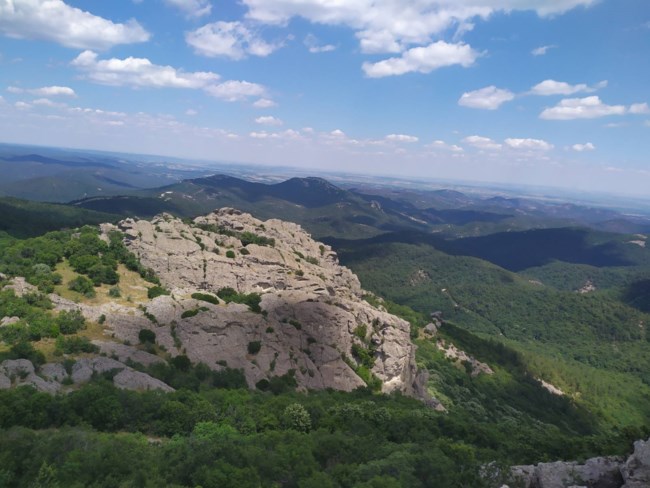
{"type": "Point", "coordinates": [50, 378]}
{"type": "Point", "coordinates": [600, 472]}
{"type": "Point", "coordinates": [313, 321]}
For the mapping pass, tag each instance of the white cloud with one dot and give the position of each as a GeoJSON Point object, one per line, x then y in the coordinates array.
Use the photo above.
{"type": "Point", "coordinates": [639, 108]}
{"type": "Point", "coordinates": [22, 106]}
{"type": "Point", "coordinates": [264, 103]}
{"type": "Point", "coordinates": [56, 21]}
{"type": "Point", "coordinates": [581, 108]}
{"type": "Point", "coordinates": [315, 46]}
{"type": "Point", "coordinates": [46, 102]}
{"type": "Point", "coordinates": [443, 145]}
{"type": "Point", "coordinates": [488, 98]}
{"type": "Point", "coordinates": [393, 26]}
{"type": "Point", "coordinates": [423, 60]}
{"type": "Point", "coordinates": [529, 144]}
{"type": "Point", "coordinates": [139, 72]}
{"type": "Point", "coordinates": [481, 142]}
{"type": "Point", "coordinates": [583, 147]}
{"type": "Point", "coordinates": [191, 112]}
{"type": "Point", "coordinates": [233, 91]}
{"type": "Point", "coordinates": [268, 120]}
{"type": "Point", "coordinates": [552, 87]}
{"type": "Point", "coordinates": [228, 39]}
{"type": "Point", "coordinates": [542, 50]}
{"type": "Point", "coordinates": [46, 91]}
{"type": "Point", "coordinates": [192, 8]}
{"type": "Point", "coordinates": [401, 138]}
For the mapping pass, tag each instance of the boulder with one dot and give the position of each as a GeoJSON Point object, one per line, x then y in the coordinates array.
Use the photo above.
{"type": "Point", "coordinates": [84, 369]}
{"type": "Point", "coordinates": [636, 470]}
{"type": "Point", "coordinates": [129, 379]}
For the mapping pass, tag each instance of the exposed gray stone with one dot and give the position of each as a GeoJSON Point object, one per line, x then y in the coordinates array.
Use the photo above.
{"type": "Point", "coordinates": [636, 470]}
{"type": "Point", "coordinates": [17, 367]}
{"type": "Point", "coordinates": [125, 353]}
{"type": "Point", "coordinates": [54, 372]}
{"type": "Point", "coordinates": [8, 321]}
{"type": "Point", "coordinates": [83, 369]}
{"type": "Point", "coordinates": [20, 286]}
{"type": "Point", "coordinates": [130, 379]}
{"type": "Point", "coordinates": [5, 382]}
{"type": "Point", "coordinates": [301, 283]}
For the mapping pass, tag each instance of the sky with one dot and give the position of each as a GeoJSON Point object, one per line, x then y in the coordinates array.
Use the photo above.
{"type": "Point", "coordinates": [544, 92]}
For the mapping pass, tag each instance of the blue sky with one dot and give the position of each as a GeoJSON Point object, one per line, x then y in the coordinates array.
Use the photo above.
{"type": "Point", "coordinates": [547, 92]}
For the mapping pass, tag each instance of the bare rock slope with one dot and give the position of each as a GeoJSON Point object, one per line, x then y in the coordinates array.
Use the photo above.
{"type": "Point", "coordinates": [312, 320]}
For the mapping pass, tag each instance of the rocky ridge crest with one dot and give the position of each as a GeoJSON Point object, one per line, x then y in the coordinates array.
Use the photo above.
{"type": "Point", "coordinates": [313, 322]}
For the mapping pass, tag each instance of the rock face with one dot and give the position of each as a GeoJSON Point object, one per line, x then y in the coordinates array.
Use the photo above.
{"type": "Point", "coordinates": [51, 377]}
{"type": "Point", "coordinates": [312, 313]}
{"type": "Point", "coordinates": [601, 472]}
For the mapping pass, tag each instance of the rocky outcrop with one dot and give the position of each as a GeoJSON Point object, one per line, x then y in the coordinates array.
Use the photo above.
{"type": "Point", "coordinates": [636, 470]}
{"type": "Point", "coordinates": [51, 377]}
{"type": "Point", "coordinates": [600, 472]}
{"type": "Point", "coordinates": [313, 318]}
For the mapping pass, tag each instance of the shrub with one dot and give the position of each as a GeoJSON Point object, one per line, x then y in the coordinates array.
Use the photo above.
{"type": "Point", "coordinates": [146, 335]}
{"type": "Point", "coordinates": [189, 313]}
{"type": "Point", "coordinates": [243, 251]}
{"type": "Point", "coordinates": [156, 291]}
{"type": "Point", "coordinates": [114, 292]}
{"type": "Point", "coordinates": [74, 345]}
{"type": "Point", "coordinates": [181, 363]}
{"type": "Point", "coordinates": [25, 350]}
{"type": "Point", "coordinates": [254, 347]}
{"type": "Point", "coordinates": [205, 297]}
{"type": "Point", "coordinates": [361, 332]}
{"type": "Point", "coordinates": [230, 254]}
{"type": "Point", "coordinates": [70, 322]}
{"type": "Point", "coordinates": [82, 285]}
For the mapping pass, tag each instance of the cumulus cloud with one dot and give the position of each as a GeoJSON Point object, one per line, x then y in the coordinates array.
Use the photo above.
{"type": "Point", "coordinates": [264, 103]}
{"type": "Point", "coordinates": [56, 21]}
{"type": "Point", "coordinates": [423, 60]}
{"type": "Point", "coordinates": [192, 8]}
{"type": "Point", "coordinates": [268, 120]}
{"type": "Point", "coordinates": [233, 91]}
{"type": "Point", "coordinates": [391, 26]}
{"type": "Point", "coordinates": [138, 72]}
{"type": "Point", "coordinates": [141, 72]}
{"type": "Point", "coordinates": [583, 147]}
{"type": "Point", "coordinates": [401, 138]}
{"type": "Point", "coordinates": [488, 98]}
{"type": "Point", "coordinates": [639, 108]}
{"type": "Point", "coordinates": [314, 46]}
{"type": "Point", "coordinates": [481, 142]}
{"type": "Point", "coordinates": [552, 87]}
{"type": "Point", "coordinates": [443, 145]}
{"type": "Point", "coordinates": [529, 144]}
{"type": "Point", "coordinates": [542, 50]}
{"type": "Point", "coordinates": [581, 108]}
{"type": "Point", "coordinates": [232, 40]}
{"type": "Point", "coordinates": [46, 91]}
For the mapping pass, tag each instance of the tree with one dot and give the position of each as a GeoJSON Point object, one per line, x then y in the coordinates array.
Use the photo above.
{"type": "Point", "coordinates": [297, 417]}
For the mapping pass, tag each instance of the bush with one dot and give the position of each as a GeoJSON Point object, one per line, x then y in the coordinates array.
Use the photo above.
{"type": "Point", "coordinates": [205, 297]}
{"type": "Point", "coordinates": [156, 291]}
{"type": "Point", "coordinates": [253, 300]}
{"type": "Point", "coordinates": [244, 252]}
{"type": "Point", "coordinates": [74, 345]}
{"type": "Point", "coordinates": [70, 322]}
{"type": "Point", "coordinates": [82, 285]}
{"type": "Point", "coordinates": [254, 347]}
{"type": "Point", "coordinates": [230, 254]}
{"type": "Point", "coordinates": [181, 362]}
{"type": "Point", "coordinates": [114, 292]}
{"type": "Point", "coordinates": [189, 313]}
{"type": "Point", "coordinates": [147, 336]}
{"type": "Point", "coordinates": [25, 350]}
